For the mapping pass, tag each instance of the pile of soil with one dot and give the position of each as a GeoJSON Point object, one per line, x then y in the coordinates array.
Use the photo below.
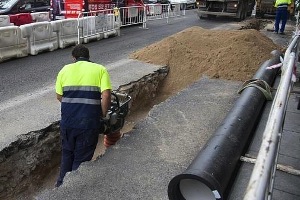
{"type": "Point", "coordinates": [194, 52]}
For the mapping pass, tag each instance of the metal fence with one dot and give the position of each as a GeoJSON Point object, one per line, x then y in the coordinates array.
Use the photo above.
{"type": "Point", "coordinates": [262, 178]}
{"type": "Point", "coordinates": [96, 25]}
{"type": "Point", "coordinates": [142, 14]}
{"type": "Point", "coordinates": [164, 11]}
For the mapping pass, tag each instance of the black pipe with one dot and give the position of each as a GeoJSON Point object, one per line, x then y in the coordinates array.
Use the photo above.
{"type": "Point", "coordinates": [208, 175]}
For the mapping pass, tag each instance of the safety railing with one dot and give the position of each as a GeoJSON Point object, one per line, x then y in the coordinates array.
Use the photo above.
{"type": "Point", "coordinates": [141, 14]}
{"type": "Point", "coordinates": [262, 178]}
{"type": "Point", "coordinates": [98, 24]}
{"type": "Point", "coordinates": [132, 15]}
{"type": "Point", "coordinates": [164, 11]}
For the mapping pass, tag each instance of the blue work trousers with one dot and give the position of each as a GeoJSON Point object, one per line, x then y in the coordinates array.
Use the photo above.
{"type": "Point", "coordinates": [281, 14]}
{"type": "Point", "coordinates": [78, 145]}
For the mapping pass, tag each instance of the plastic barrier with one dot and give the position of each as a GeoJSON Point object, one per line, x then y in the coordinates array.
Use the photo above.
{"type": "Point", "coordinates": [5, 21]}
{"type": "Point", "coordinates": [66, 31]}
{"type": "Point", "coordinates": [21, 19]}
{"type": "Point", "coordinates": [12, 45]}
{"type": "Point", "coordinates": [40, 36]}
{"type": "Point", "coordinates": [41, 17]}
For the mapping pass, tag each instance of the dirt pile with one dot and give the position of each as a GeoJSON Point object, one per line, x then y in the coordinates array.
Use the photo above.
{"type": "Point", "coordinates": [194, 52]}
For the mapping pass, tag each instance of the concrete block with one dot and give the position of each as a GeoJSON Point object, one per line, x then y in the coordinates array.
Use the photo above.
{"type": "Point", "coordinates": [40, 36]}
{"type": "Point", "coordinates": [11, 43]}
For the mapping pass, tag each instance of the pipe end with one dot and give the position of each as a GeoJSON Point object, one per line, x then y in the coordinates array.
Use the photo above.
{"type": "Point", "coordinates": [191, 187]}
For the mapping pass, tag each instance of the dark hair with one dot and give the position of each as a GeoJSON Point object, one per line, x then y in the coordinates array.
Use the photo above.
{"type": "Point", "coordinates": [80, 51]}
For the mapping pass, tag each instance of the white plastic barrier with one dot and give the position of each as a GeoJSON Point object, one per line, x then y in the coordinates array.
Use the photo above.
{"type": "Point", "coordinates": [40, 37]}
{"type": "Point", "coordinates": [12, 45]}
{"type": "Point", "coordinates": [66, 31]}
{"type": "Point", "coordinates": [40, 17]}
{"type": "Point", "coordinates": [5, 21]}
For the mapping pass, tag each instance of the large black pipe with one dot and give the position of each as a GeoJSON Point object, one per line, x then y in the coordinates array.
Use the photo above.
{"type": "Point", "coordinates": [208, 175]}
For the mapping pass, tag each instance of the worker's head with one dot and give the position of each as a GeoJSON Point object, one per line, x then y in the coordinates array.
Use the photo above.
{"type": "Point", "coordinates": [80, 51]}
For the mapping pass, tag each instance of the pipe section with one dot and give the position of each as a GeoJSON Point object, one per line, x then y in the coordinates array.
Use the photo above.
{"type": "Point", "coordinates": [207, 177]}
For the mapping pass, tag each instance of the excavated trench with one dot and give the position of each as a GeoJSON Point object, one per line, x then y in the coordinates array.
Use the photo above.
{"type": "Point", "coordinates": [31, 163]}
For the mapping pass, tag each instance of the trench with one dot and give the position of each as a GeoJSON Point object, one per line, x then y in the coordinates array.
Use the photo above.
{"type": "Point", "coordinates": [31, 163]}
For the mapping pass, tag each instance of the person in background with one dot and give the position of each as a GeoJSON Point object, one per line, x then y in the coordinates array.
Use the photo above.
{"type": "Point", "coordinates": [84, 90]}
{"type": "Point", "coordinates": [281, 15]}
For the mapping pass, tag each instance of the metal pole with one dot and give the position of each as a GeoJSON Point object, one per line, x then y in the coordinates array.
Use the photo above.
{"type": "Point", "coordinates": [168, 13]}
{"type": "Point", "coordinates": [78, 29]}
{"type": "Point", "coordinates": [289, 50]}
{"type": "Point", "coordinates": [262, 170]}
{"type": "Point", "coordinates": [145, 18]}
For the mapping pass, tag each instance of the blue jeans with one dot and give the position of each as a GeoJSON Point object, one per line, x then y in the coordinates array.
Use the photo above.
{"type": "Point", "coordinates": [78, 145]}
{"type": "Point", "coordinates": [281, 14]}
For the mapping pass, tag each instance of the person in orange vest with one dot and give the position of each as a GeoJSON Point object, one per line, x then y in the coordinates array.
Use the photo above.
{"type": "Point", "coordinates": [281, 15]}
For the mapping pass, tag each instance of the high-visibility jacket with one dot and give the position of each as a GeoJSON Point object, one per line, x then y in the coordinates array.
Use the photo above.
{"type": "Point", "coordinates": [80, 85]}
{"type": "Point", "coordinates": [282, 3]}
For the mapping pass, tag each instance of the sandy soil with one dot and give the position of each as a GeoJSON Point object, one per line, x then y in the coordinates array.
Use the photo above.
{"type": "Point", "coordinates": [194, 52]}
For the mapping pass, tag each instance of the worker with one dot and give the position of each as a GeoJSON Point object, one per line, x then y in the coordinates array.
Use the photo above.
{"type": "Point", "coordinates": [281, 14]}
{"type": "Point", "coordinates": [84, 90]}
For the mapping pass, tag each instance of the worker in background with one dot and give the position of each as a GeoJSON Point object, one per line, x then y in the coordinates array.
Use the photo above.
{"type": "Point", "coordinates": [281, 15]}
{"type": "Point", "coordinates": [84, 90]}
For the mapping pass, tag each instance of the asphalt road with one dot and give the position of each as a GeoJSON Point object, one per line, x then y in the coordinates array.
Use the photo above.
{"type": "Point", "coordinates": [26, 75]}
